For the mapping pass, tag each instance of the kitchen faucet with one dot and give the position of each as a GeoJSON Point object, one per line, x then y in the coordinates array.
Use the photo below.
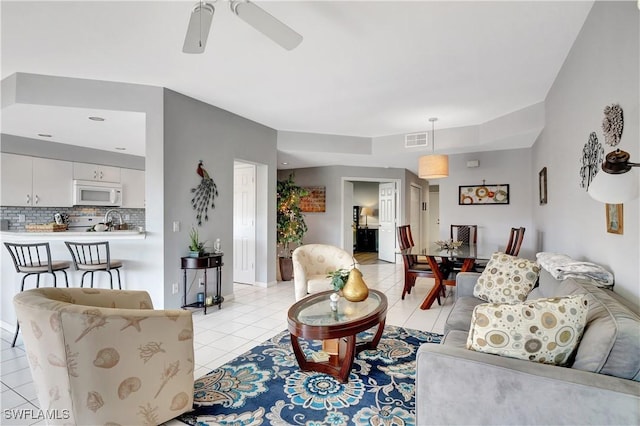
{"type": "Point", "coordinates": [110, 224]}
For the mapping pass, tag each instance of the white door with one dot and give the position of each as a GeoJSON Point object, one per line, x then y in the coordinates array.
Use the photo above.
{"type": "Point", "coordinates": [348, 226]}
{"type": "Point", "coordinates": [415, 200]}
{"type": "Point", "coordinates": [244, 223]}
{"type": "Point", "coordinates": [434, 215]}
{"type": "Point", "coordinates": [387, 221]}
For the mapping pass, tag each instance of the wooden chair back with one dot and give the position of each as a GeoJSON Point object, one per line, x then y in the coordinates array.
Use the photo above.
{"type": "Point", "coordinates": [468, 234]}
{"type": "Point", "coordinates": [405, 239]}
{"type": "Point", "coordinates": [515, 241]}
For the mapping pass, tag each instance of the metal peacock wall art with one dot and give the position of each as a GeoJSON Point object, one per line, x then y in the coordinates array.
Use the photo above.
{"type": "Point", "coordinates": [204, 194]}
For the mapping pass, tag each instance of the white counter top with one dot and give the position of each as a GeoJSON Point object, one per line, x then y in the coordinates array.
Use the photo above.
{"type": "Point", "coordinates": [71, 235]}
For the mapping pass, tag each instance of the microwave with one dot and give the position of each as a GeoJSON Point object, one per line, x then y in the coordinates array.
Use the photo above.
{"type": "Point", "coordinates": [90, 193]}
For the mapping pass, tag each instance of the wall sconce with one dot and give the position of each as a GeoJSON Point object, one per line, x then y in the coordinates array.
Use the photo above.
{"type": "Point", "coordinates": [615, 185]}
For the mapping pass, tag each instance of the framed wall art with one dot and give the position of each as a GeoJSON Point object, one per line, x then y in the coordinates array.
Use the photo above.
{"type": "Point", "coordinates": [542, 186]}
{"type": "Point", "coordinates": [315, 202]}
{"type": "Point", "coordinates": [615, 223]}
{"type": "Point", "coordinates": [484, 194]}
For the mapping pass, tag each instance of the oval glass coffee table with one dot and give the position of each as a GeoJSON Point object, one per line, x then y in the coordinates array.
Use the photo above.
{"type": "Point", "coordinates": [312, 319]}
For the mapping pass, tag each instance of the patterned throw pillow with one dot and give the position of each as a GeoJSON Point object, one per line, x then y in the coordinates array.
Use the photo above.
{"type": "Point", "coordinates": [506, 279]}
{"type": "Point", "coordinates": [542, 330]}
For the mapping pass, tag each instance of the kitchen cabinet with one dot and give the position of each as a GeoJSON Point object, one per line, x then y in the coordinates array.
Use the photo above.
{"type": "Point", "coordinates": [96, 172]}
{"type": "Point", "coordinates": [132, 188]}
{"type": "Point", "coordinates": [36, 182]}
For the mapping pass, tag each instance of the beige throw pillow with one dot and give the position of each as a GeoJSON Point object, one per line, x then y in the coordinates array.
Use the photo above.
{"type": "Point", "coordinates": [506, 279]}
{"type": "Point", "coordinates": [543, 330]}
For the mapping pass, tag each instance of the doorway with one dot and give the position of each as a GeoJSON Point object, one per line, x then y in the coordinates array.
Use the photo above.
{"type": "Point", "coordinates": [244, 223]}
{"type": "Point", "coordinates": [371, 217]}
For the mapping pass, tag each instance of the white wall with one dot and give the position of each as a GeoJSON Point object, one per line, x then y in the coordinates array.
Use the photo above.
{"type": "Point", "coordinates": [601, 69]}
{"type": "Point", "coordinates": [494, 222]}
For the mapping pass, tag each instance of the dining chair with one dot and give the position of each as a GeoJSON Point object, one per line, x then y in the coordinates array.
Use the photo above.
{"type": "Point", "coordinates": [414, 265]}
{"type": "Point", "coordinates": [94, 257]}
{"type": "Point", "coordinates": [468, 234]}
{"type": "Point", "coordinates": [35, 259]}
{"type": "Point", "coordinates": [516, 236]}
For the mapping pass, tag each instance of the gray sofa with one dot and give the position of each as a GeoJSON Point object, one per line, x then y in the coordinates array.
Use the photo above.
{"type": "Point", "coordinates": [455, 385]}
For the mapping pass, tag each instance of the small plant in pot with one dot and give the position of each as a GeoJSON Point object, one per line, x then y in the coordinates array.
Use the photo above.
{"type": "Point", "coordinates": [196, 247]}
{"type": "Point", "coordinates": [338, 279]}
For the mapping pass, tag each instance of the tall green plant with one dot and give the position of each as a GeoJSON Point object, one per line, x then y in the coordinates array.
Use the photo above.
{"type": "Point", "coordinates": [291, 225]}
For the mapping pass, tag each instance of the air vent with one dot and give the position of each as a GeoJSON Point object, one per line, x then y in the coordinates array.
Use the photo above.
{"type": "Point", "coordinates": [415, 140]}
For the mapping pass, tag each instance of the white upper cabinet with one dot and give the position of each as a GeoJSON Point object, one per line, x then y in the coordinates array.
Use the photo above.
{"type": "Point", "coordinates": [36, 182]}
{"type": "Point", "coordinates": [95, 172]}
{"type": "Point", "coordinates": [132, 188]}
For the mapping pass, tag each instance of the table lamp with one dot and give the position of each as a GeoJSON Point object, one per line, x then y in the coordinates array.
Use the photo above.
{"type": "Point", "coordinates": [366, 211]}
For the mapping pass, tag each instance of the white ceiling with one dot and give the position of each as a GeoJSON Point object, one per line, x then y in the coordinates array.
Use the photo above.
{"type": "Point", "coordinates": [364, 68]}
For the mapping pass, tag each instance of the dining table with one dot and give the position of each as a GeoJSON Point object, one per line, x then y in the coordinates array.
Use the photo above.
{"type": "Point", "coordinates": [441, 263]}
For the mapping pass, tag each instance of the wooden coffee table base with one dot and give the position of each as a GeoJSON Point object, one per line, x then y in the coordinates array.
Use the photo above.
{"type": "Point", "coordinates": [338, 366]}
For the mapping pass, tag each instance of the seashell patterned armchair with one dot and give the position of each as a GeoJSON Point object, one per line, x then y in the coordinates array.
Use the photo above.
{"type": "Point", "coordinates": [101, 356]}
{"type": "Point", "coordinates": [313, 262]}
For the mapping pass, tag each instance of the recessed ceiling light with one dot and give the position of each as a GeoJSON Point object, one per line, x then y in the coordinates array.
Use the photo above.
{"type": "Point", "coordinates": [120, 148]}
{"type": "Point", "coordinates": [44, 135]}
{"type": "Point", "coordinates": [284, 163]}
{"type": "Point", "coordinates": [94, 118]}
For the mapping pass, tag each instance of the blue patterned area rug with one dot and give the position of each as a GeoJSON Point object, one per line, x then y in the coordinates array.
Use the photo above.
{"type": "Point", "coordinates": [265, 387]}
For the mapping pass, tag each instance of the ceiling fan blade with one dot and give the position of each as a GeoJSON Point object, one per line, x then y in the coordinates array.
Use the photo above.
{"type": "Point", "coordinates": [198, 30]}
{"type": "Point", "coordinates": [265, 23]}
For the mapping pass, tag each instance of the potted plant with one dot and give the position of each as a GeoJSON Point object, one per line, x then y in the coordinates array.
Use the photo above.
{"type": "Point", "coordinates": [338, 278]}
{"type": "Point", "coordinates": [290, 223]}
{"type": "Point", "coordinates": [196, 247]}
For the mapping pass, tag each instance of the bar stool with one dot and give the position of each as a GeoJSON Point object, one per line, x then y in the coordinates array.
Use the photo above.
{"type": "Point", "coordinates": [94, 257]}
{"type": "Point", "coordinates": [35, 259]}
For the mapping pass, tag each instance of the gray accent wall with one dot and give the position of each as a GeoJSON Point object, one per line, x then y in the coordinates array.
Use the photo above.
{"type": "Point", "coordinates": [602, 68]}
{"type": "Point", "coordinates": [326, 228]}
{"type": "Point", "coordinates": [197, 131]}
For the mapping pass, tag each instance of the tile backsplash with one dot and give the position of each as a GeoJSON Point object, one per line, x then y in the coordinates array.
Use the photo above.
{"type": "Point", "coordinates": [46, 214]}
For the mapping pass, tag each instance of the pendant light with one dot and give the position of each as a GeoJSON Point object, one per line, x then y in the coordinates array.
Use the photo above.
{"type": "Point", "coordinates": [433, 166]}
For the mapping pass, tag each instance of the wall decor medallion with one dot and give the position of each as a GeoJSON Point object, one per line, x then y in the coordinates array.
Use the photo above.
{"type": "Point", "coordinates": [615, 223]}
{"type": "Point", "coordinates": [204, 194]}
{"type": "Point", "coordinates": [592, 154]}
{"type": "Point", "coordinates": [483, 194]}
{"type": "Point", "coordinates": [612, 124]}
{"type": "Point", "coordinates": [542, 186]}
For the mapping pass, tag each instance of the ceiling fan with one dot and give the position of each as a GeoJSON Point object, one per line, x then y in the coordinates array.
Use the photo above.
{"type": "Point", "coordinates": [202, 15]}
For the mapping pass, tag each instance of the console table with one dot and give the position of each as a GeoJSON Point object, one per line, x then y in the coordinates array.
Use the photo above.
{"type": "Point", "coordinates": [209, 261]}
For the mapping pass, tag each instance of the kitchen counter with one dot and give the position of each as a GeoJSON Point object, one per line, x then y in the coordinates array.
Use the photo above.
{"type": "Point", "coordinates": [17, 236]}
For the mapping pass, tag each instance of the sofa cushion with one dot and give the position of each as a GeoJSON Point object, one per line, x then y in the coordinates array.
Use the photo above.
{"type": "Point", "coordinates": [456, 339]}
{"type": "Point", "coordinates": [543, 330]}
{"type": "Point", "coordinates": [506, 279]}
{"type": "Point", "coordinates": [460, 315]}
{"type": "Point", "coordinates": [611, 340]}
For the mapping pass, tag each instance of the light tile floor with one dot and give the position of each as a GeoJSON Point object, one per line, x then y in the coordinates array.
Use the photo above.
{"type": "Point", "coordinates": [254, 315]}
